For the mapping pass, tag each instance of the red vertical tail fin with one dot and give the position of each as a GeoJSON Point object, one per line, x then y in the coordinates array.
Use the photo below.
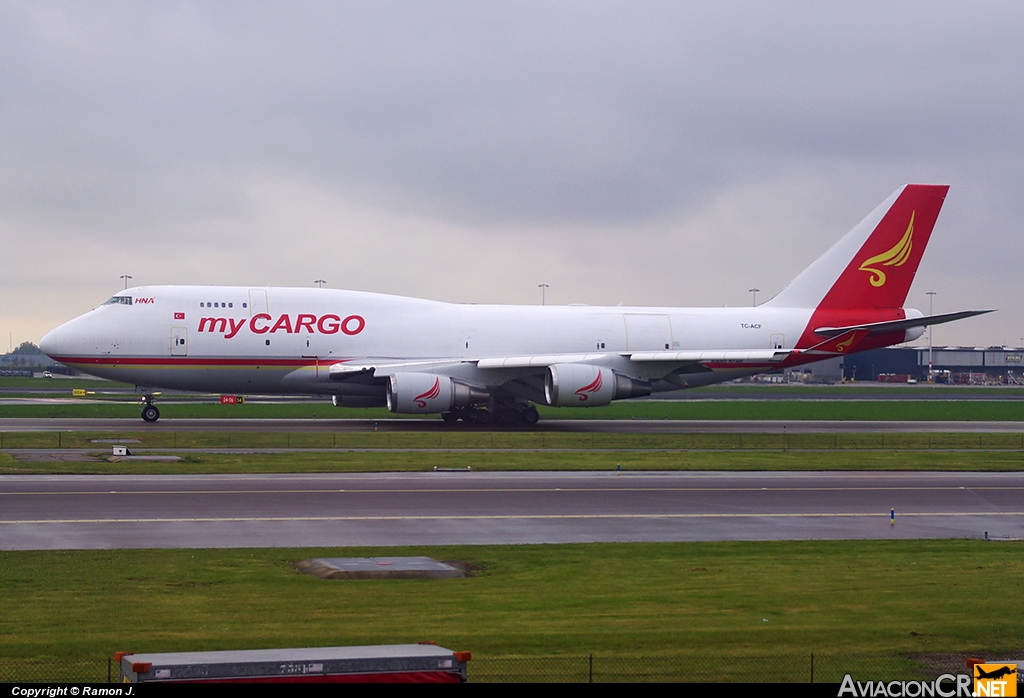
{"type": "Point", "coordinates": [874, 264]}
{"type": "Point", "coordinates": [865, 277]}
{"type": "Point", "coordinates": [880, 274]}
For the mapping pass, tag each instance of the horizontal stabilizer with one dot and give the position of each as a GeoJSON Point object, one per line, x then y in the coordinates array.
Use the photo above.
{"type": "Point", "coordinates": [874, 328]}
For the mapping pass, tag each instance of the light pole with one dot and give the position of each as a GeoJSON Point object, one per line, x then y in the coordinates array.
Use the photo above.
{"type": "Point", "coordinates": [125, 277]}
{"type": "Point", "coordinates": [754, 291]}
{"type": "Point", "coordinates": [931, 329]}
{"type": "Point", "coordinates": [320, 283]}
{"type": "Point", "coordinates": [543, 289]}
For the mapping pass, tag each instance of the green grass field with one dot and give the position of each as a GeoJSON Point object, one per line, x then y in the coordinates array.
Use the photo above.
{"type": "Point", "coordinates": [882, 410]}
{"type": "Point", "coordinates": [765, 599]}
{"type": "Point", "coordinates": [61, 383]}
{"type": "Point", "coordinates": [416, 451]}
{"type": "Point", "coordinates": [421, 461]}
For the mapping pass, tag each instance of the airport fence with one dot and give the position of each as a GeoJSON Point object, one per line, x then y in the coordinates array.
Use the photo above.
{"type": "Point", "coordinates": [804, 668]}
{"type": "Point", "coordinates": [58, 670]}
{"type": "Point", "coordinates": [812, 668]}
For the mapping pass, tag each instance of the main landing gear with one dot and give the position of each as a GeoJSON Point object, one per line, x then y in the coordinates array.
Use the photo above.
{"type": "Point", "coordinates": [149, 411]}
{"type": "Point", "coordinates": [502, 414]}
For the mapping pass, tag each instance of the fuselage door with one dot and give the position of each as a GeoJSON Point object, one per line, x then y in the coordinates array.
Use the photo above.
{"type": "Point", "coordinates": [310, 353]}
{"type": "Point", "coordinates": [258, 301]}
{"type": "Point", "coordinates": [647, 332]}
{"type": "Point", "coordinates": [179, 341]}
{"type": "Point", "coordinates": [777, 341]}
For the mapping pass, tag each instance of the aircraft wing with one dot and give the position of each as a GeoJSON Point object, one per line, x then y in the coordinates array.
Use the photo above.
{"type": "Point", "coordinates": [384, 367]}
{"type": "Point", "coordinates": [713, 356]}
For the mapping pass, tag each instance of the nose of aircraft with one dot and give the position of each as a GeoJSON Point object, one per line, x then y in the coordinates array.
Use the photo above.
{"type": "Point", "coordinates": [54, 343]}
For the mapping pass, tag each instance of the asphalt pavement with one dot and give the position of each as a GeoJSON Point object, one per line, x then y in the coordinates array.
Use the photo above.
{"type": "Point", "coordinates": [212, 511]}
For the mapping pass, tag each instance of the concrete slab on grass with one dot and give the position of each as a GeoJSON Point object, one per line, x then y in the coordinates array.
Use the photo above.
{"type": "Point", "coordinates": [379, 568]}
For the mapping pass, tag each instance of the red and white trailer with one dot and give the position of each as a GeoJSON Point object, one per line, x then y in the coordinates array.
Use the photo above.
{"type": "Point", "coordinates": [422, 663]}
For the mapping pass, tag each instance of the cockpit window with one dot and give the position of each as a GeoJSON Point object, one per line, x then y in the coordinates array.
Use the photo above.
{"type": "Point", "coordinates": [122, 300]}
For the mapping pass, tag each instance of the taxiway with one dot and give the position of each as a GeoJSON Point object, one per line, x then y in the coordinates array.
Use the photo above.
{"type": "Point", "coordinates": [212, 511]}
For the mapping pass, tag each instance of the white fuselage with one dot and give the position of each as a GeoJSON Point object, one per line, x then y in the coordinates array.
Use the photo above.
{"type": "Point", "coordinates": [240, 339]}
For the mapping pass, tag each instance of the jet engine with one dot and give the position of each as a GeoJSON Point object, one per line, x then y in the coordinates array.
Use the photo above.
{"type": "Point", "coordinates": [426, 393]}
{"type": "Point", "coordinates": [583, 385]}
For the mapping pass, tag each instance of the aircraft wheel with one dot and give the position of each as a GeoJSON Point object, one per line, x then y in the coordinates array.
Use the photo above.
{"type": "Point", "coordinates": [530, 415]}
{"type": "Point", "coordinates": [450, 417]}
{"type": "Point", "coordinates": [150, 413]}
{"type": "Point", "coordinates": [481, 417]}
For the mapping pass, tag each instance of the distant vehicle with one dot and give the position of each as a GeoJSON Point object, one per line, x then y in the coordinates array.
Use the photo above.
{"type": "Point", "coordinates": [16, 373]}
{"type": "Point", "coordinates": [47, 374]}
{"type": "Point", "coordinates": [479, 363]}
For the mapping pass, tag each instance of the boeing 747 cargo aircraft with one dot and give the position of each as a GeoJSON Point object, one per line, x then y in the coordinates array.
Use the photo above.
{"type": "Point", "coordinates": [480, 363]}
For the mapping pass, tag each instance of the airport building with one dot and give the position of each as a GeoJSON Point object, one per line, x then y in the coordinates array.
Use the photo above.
{"type": "Point", "coordinates": [957, 365]}
{"type": "Point", "coordinates": [961, 365]}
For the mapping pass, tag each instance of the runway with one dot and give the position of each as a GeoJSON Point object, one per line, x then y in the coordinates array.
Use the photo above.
{"type": "Point", "coordinates": [636, 426]}
{"type": "Point", "coordinates": [213, 511]}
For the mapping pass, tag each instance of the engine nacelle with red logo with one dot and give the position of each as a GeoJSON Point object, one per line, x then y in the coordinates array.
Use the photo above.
{"type": "Point", "coordinates": [427, 393]}
{"type": "Point", "coordinates": [583, 385]}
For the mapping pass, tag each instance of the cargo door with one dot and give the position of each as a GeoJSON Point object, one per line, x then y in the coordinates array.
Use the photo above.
{"type": "Point", "coordinates": [647, 332]}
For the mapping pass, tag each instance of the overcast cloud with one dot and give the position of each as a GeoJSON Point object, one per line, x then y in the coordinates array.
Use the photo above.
{"type": "Point", "coordinates": [643, 153]}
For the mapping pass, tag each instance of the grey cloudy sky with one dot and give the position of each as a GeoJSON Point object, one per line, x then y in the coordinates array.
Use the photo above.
{"type": "Point", "coordinates": [644, 153]}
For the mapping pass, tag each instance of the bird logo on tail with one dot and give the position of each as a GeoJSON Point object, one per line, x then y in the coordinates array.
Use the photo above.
{"type": "Point", "coordinates": [895, 257]}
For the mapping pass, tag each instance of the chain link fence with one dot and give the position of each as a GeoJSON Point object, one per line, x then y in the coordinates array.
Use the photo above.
{"type": "Point", "coordinates": [710, 669]}
{"type": "Point", "coordinates": [58, 670]}
{"type": "Point", "coordinates": [808, 668]}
